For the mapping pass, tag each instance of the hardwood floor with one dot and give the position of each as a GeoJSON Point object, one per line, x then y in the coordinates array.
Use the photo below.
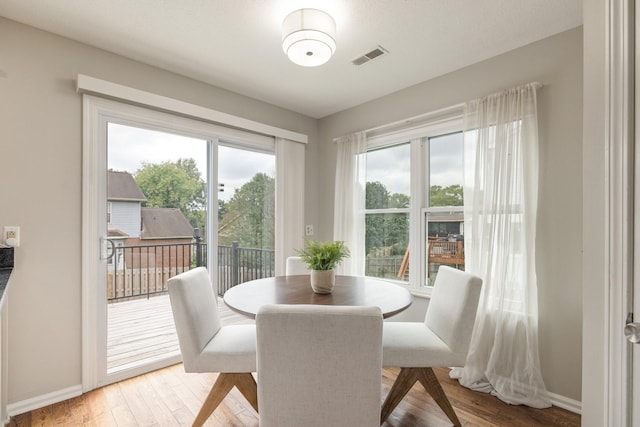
{"type": "Point", "coordinates": [170, 397]}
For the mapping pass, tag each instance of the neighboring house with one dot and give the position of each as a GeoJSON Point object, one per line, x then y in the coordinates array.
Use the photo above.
{"type": "Point", "coordinates": [124, 199]}
{"type": "Point", "coordinates": [171, 235]}
{"type": "Point", "coordinates": [130, 226]}
{"type": "Point", "coordinates": [446, 224]}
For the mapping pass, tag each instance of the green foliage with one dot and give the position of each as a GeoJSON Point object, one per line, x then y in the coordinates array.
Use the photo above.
{"type": "Point", "coordinates": [399, 200]}
{"type": "Point", "coordinates": [249, 216]}
{"type": "Point", "coordinates": [384, 230]}
{"type": "Point", "coordinates": [222, 209]}
{"type": "Point", "coordinates": [175, 185]}
{"type": "Point", "coordinates": [377, 196]}
{"type": "Point", "coordinates": [445, 196]}
{"type": "Point", "coordinates": [323, 255]}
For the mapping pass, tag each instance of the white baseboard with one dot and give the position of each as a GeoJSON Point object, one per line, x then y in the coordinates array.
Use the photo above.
{"type": "Point", "coordinates": [43, 400]}
{"type": "Point", "coordinates": [566, 403]}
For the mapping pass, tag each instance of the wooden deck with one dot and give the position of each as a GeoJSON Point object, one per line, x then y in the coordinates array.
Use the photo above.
{"type": "Point", "coordinates": [142, 331]}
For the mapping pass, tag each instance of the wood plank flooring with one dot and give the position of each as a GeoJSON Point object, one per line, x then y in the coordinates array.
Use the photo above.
{"type": "Point", "coordinates": [170, 397]}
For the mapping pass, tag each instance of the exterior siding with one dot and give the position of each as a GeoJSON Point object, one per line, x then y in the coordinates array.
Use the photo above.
{"type": "Point", "coordinates": [125, 216]}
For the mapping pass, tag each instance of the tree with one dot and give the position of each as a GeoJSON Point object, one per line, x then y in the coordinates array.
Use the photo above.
{"type": "Point", "coordinates": [388, 229]}
{"type": "Point", "coordinates": [399, 200]}
{"type": "Point", "coordinates": [377, 196]}
{"type": "Point", "coordinates": [175, 185]}
{"type": "Point", "coordinates": [250, 215]}
{"type": "Point", "coordinates": [445, 196]}
{"type": "Point", "coordinates": [222, 209]}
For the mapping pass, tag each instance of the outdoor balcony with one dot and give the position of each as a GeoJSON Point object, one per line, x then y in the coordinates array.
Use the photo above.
{"type": "Point", "coordinates": [140, 322]}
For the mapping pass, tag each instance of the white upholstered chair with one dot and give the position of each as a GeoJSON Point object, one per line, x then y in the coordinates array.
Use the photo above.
{"type": "Point", "coordinates": [319, 365]}
{"type": "Point", "coordinates": [206, 345]}
{"type": "Point", "coordinates": [295, 266]}
{"type": "Point", "coordinates": [441, 340]}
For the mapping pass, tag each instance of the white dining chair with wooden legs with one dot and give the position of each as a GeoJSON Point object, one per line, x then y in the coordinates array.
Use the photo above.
{"type": "Point", "coordinates": [295, 266]}
{"type": "Point", "coordinates": [319, 365]}
{"type": "Point", "coordinates": [441, 340]}
{"type": "Point", "coordinates": [207, 346]}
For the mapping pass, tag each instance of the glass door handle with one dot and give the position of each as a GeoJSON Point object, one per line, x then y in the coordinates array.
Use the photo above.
{"type": "Point", "coordinates": [108, 249]}
{"type": "Point", "coordinates": [632, 332]}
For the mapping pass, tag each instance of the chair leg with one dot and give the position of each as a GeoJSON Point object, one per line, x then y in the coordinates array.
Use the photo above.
{"type": "Point", "coordinates": [428, 379]}
{"type": "Point", "coordinates": [223, 385]}
{"type": "Point", "coordinates": [405, 380]}
{"type": "Point", "coordinates": [403, 383]}
{"type": "Point", "coordinates": [249, 389]}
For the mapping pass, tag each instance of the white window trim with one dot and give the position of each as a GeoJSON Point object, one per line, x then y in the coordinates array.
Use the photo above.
{"type": "Point", "coordinates": [416, 131]}
{"type": "Point", "coordinates": [92, 85]}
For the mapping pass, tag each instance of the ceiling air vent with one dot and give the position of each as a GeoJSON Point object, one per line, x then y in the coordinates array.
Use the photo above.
{"type": "Point", "coordinates": [375, 53]}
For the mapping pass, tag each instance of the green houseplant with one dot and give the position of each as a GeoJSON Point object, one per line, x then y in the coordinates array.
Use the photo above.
{"type": "Point", "coordinates": [322, 258]}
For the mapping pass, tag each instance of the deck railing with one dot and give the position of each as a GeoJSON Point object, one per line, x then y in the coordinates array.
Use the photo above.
{"type": "Point", "coordinates": [143, 271]}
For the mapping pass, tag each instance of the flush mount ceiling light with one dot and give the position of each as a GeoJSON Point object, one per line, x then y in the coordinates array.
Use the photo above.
{"type": "Point", "coordinates": [308, 37]}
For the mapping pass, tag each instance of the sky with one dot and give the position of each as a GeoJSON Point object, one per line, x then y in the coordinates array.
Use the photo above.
{"type": "Point", "coordinates": [129, 147]}
{"type": "Point", "coordinates": [390, 166]}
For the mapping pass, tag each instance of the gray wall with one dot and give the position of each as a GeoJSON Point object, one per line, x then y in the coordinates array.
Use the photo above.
{"type": "Point", "coordinates": [40, 151]}
{"type": "Point", "coordinates": [555, 62]}
{"type": "Point", "coordinates": [595, 319]}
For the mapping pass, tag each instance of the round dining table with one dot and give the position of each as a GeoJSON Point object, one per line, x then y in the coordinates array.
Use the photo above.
{"type": "Point", "coordinates": [248, 297]}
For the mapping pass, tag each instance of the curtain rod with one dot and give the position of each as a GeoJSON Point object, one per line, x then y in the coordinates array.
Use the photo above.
{"type": "Point", "coordinates": [418, 118]}
{"type": "Point", "coordinates": [443, 112]}
{"type": "Point", "coordinates": [433, 114]}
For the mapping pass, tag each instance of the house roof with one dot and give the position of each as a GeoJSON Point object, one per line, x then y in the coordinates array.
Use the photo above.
{"type": "Point", "coordinates": [122, 186]}
{"type": "Point", "coordinates": [164, 223]}
{"type": "Point", "coordinates": [115, 233]}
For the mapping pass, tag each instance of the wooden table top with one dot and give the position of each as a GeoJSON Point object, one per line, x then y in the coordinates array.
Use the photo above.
{"type": "Point", "coordinates": [248, 297]}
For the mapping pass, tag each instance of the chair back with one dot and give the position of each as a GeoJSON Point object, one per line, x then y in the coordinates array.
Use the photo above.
{"type": "Point", "coordinates": [295, 266]}
{"type": "Point", "coordinates": [319, 365]}
{"type": "Point", "coordinates": [195, 312]}
{"type": "Point", "coordinates": [452, 309]}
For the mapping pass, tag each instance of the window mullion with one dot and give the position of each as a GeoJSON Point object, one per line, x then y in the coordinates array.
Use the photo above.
{"type": "Point", "coordinates": [417, 171]}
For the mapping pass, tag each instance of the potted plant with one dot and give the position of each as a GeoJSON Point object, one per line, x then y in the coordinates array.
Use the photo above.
{"type": "Point", "coordinates": [322, 258]}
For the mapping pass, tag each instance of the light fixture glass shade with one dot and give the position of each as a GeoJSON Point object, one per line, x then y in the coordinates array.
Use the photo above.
{"type": "Point", "coordinates": [308, 37]}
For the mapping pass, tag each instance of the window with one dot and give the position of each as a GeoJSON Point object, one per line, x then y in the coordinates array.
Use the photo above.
{"type": "Point", "coordinates": [414, 219]}
{"type": "Point", "coordinates": [444, 216]}
{"type": "Point", "coordinates": [387, 200]}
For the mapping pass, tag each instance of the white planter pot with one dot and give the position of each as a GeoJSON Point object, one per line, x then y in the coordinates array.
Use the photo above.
{"type": "Point", "coordinates": [322, 281]}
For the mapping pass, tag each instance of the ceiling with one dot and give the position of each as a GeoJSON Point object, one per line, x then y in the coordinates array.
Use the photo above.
{"type": "Point", "coordinates": [236, 44]}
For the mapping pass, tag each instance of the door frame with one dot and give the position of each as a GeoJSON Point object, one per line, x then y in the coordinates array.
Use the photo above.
{"type": "Point", "coordinates": [97, 112]}
{"type": "Point", "coordinates": [621, 237]}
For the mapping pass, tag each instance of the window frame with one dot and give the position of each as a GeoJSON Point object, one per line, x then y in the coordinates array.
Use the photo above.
{"type": "Point", "coordinates": [417, 133]}
{"type": "Point", "coordinates": [97, 112]}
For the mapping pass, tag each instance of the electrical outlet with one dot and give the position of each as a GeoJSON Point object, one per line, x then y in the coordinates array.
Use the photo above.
{"type": "Point", "coordinates": [11, 236]}
{"type": "Point", "coordinates": [308, 230]}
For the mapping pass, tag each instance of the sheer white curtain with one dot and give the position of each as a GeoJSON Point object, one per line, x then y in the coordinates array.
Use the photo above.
{"type": "Point", "coordinates": [348, 216]}
{"type": "Point", "coordinates": [500, 197]}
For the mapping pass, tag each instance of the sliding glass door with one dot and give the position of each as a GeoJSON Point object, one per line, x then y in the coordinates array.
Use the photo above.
{"type": "Point", "coordinates": [154, 205]}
